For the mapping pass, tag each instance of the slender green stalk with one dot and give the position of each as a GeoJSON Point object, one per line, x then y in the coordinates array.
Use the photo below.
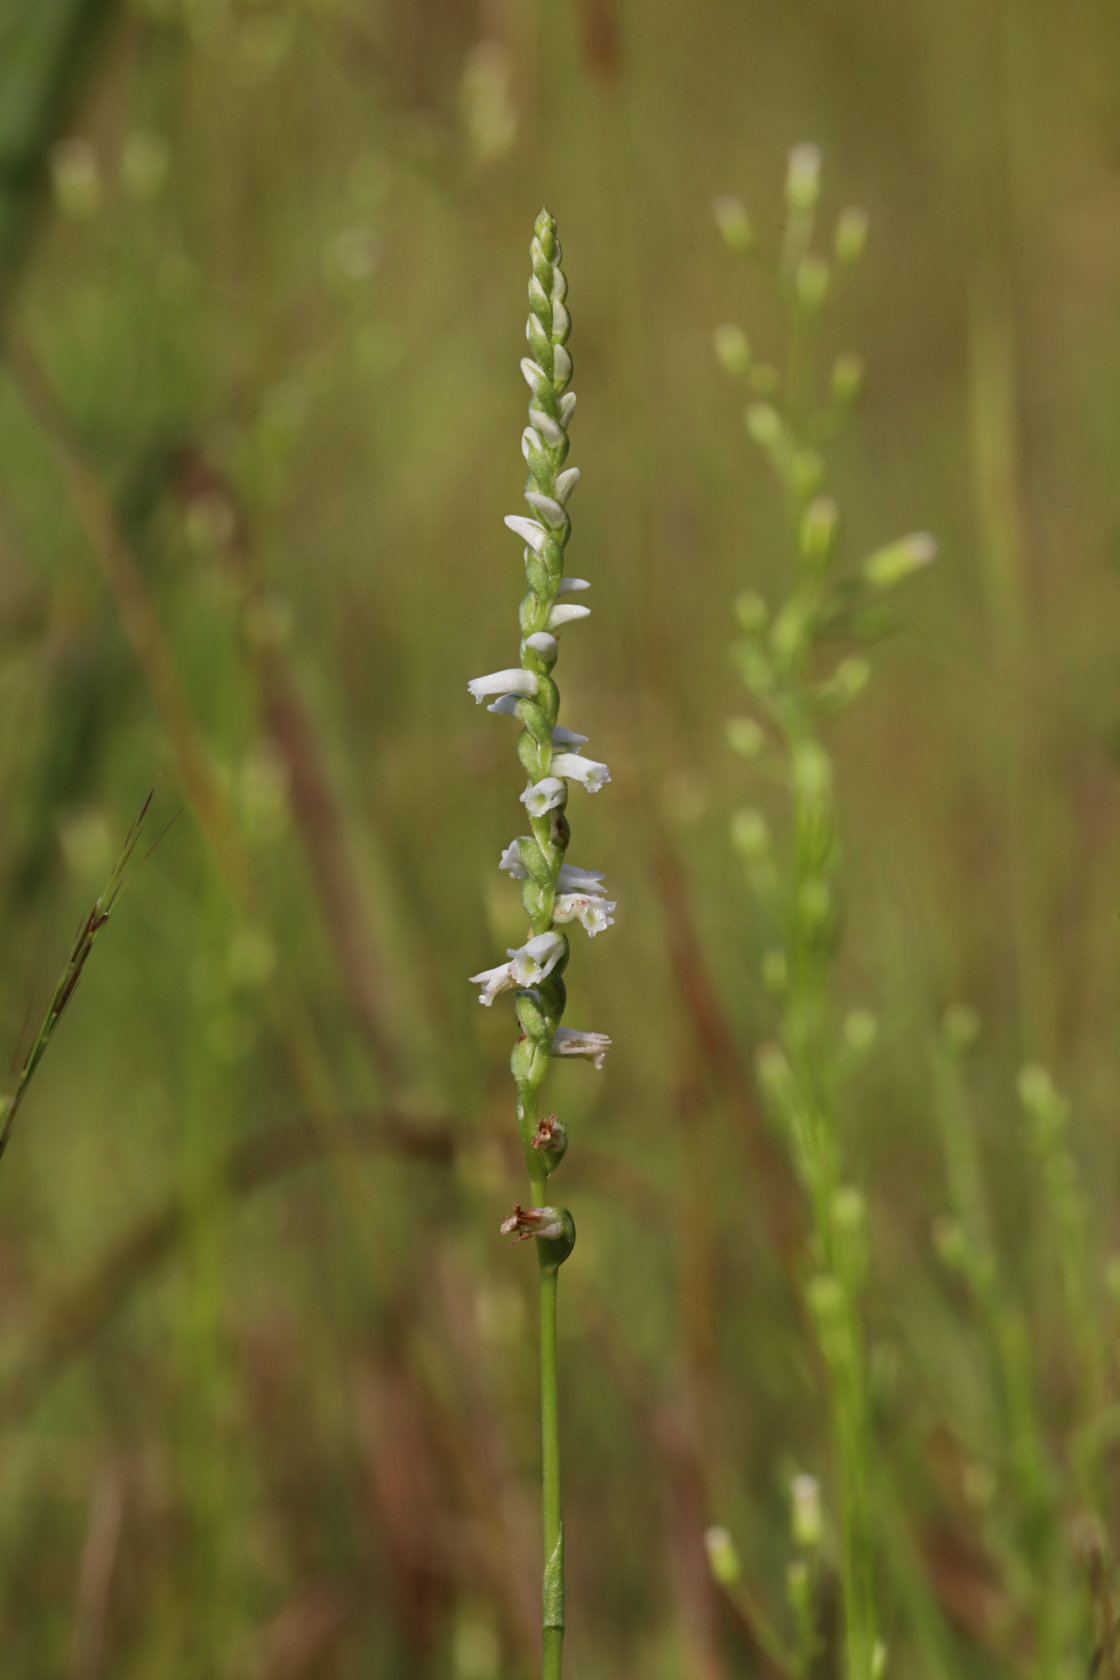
{"type": "Point", "coordinates": [553, 893]}
{"type": "Point", "coordinates": [781, 664]}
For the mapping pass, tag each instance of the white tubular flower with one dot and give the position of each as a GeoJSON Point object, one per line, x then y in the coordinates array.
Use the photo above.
{"type": "Point", "coordinates": [573, 879]}
{"type": "Point", "coordinates": [543, 796]}
{"type": "Point", "coordinates": [493, 981]}
{"type": "Point", "coordinates": [568, 586]}
{"type": "Point", "coordinates": [506, 705]}
{"type": "Point", "coordinates": [514, 681]}
{"type": "Point", "coordinates": [536, 959]}
{"type": "Point", "coordinates": [566, 483]}
{"type": "Point", "coordinates": [593, 913]}
{"type": "Point", "coordinates": [531, 439]}
{"type": "Point", "coordinates": [544, 645]}
{"type": "Point", "coordinates": [568, 1042]}
{"type": "Point", "coordinates": [527, 529]}
{"type": "Point", "coordinates": [546, 425]}
{"type": "Point", "coordinates": [550, 511]}
{"type": "Point", "coordinates": [567, 408]}
{"type": "Point", "coordinates": [559, 616]}
{"type": "Point", "coordinates": [510, 861]}
{"type": "Point", "coordinates": [532, 373]}
{"type": "Point", "coordinates": [586, 770]}
{"type": "Point", "coordinates": [562, 737]}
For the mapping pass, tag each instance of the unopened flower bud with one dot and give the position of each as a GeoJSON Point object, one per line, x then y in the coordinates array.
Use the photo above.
{"type": "Point", "coordinates": [851, 235]}
{"type": "Point", "coordinates": [745, 737]}
{"type": "Point", "coordinates": [734, 224]}
{"type": "Point", "coordinates": [899, 560]}
{"type": "Point", "coordinates": [723, 1558]}
{"type": "Point", "coordinates": [732, 350]}
{"type": "Point", "coordinates": [807, 1518]}
{"type": "Point", "coordinates": [818, 531]}
{"type": "Point", "coordinates": [764, 423]}
{"type": "Point", "coordinates": [811, 282]}
{"type": "Point", "coordinates": [803, 177]}
{"type": "Point", "coordinates": [750, 835]}
{"type": "Point", "coordinates": [847, 378]}
{"type": "Point", "coordinates": [751, 612]}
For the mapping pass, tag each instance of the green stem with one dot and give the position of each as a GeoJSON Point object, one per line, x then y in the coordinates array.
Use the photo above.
{"type": "Point", "coordinates": [553, 1522]}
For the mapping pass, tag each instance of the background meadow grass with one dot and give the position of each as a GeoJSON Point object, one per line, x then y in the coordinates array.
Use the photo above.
{"type": "Point", "coordinates": [266, 1368]}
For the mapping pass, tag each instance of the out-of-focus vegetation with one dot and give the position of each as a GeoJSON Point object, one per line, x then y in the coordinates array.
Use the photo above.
{"type": "Point", "coordinates": [266, 1369]}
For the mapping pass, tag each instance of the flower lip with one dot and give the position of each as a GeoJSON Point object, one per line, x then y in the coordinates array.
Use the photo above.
{"type": "Point", "coordinates": [543, 796]}
{"type": "Point", "coordinates": [493, 981]}
{"type": "Point", "coordinates": [562, 737]}
{"type": "Point", "coordinates": [591, 911]}
{"type": "Point", "coordinates": [586, 770]}
{"type": "Point", "coordinates": [511, 681]}
{"type": "Point", "coordinates": [536, 959]}
{"type": "Point", "coordinates": [567, 1041]}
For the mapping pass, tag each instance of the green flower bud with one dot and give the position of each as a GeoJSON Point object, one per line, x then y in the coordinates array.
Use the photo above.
{"type": "Point", "coordinates": [847, 379]}
{"type": "Point", "coordinates": [750, 835]}
{"type": "Point", "coordinates": [811, 282]}
{"type": "Point", "coordinates": [745, 737]}
{"type": "Point", "coordinates": [734, 224]}
{"type": "Point", "coordinates": [807, 1517]}
{"type": "Point", "coordinates": [851, 235]}
{"type": "Point", "coordinates": [803, 178]}
{"type": "Point", "coordinates": [751, 612]}
{"type": "Point", "coordinates": [731, 347]}
{"type": "Point", "coordinates": [899, 560]}
{"type": "Point", "coordinates": [818, 532]}
{"type": "Point", "coordinates": [723, 1558]}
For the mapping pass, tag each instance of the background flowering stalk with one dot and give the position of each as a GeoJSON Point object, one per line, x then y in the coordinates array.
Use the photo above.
{"type": "Point", "coordinates": [798, 883]}
{"type": "Point", "coordinates": [554, 893]}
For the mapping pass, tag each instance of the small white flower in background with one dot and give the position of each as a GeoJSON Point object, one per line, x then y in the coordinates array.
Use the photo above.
{"type": "Point", "coordinates": [586, 770]}
{"type": "Point", "coordinates": [513, 681]}
{"type": "Point", "coordinates": [567, 1041]}
{"type": "Point", "coordinates": [543, 796]}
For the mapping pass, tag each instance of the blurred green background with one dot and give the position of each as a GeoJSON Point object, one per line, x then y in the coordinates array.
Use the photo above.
{"type": "Point", "coordinates": [267, 1371]}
